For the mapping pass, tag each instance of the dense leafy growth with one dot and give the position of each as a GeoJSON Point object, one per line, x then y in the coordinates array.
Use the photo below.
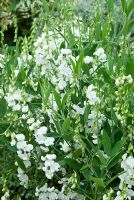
{"type": "Point", "coordinates": [67, 101]}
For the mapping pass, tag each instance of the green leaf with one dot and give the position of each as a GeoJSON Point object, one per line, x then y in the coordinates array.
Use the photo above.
{"type": "Point", "coordinates": [20, 163]}
{"type": "Point", "coordinates": [124, 6]}
{"type": "Point", "coordinates": [66, 125]}
{"type": "Point", "coordinates": [130, 7]}
{"type": "Point", "coordinates": [66, 132]}
{"type": "Point", "coordinates": [79, 62]}
{"type": "Point", "coordinates": [45, 91]}
{"type": "Point", "coordinates": [114, 160]}
{"type": "Point", "coordinates": [102, 158]}
{"type": "Point", "coordinates": [130, 67]}
{"type": "Point", "coordinates": [64, 100]}
{"type": "Point", "coordinates": [117, 147]}
{"type": "Point", "coordinates": [96, 163]}
{"type": "Point", "coordinates": [128, 28]}
{"type": "Point", "coordinates": [98, 32]}
{"type": "Point", "coordinates": [72, 163]}
{"type": "Point", "coordinates": [106, 76]}
{"type": "Point", "coordinates": [12, 5]}
{"type": "Point", "coordinates": [58, 125]}
{"type": "Point", "coordinates": [105, 30]}
{"type": "Point", "coordinates": [85, 170]}
{"type": "Point", "coordinates": [99, 181]}
{"type": "Point", "coordinates": [73, 64]}
{"type": "Point", "coordinates": [86, 113]}
{"type": "Point", "coordinates": [110, 5]}
{"type": "Point", "coordinates": [106, 141]}
{"type": "Point", "coordinates": [112, 179]}
{"type": "Point", "coordinates": [58, 99]}
{"type": "Point", "coordinates": [3, 107]}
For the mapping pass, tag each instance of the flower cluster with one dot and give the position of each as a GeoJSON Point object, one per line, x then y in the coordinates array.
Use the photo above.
{"type": "Point", "coordinates": [40, 137]}
{"type": "Point", "coordinates": [24, 152]}
{"type": "Point", "coordinates": [91, 95]}
{"type": "Point", "coordinates": [95, 126]}
{"type": "Point", "coordinates": [23, 148]}
{"type": "Point", "coordinates": [52, 193]}
{"type": "Point", "coordinates": [56, 68]}
{"type": "Point", "coordinates": [50, 166]}
{"type": "Point", "coordinates": [126, 179]}
{"type": "Point", "coordinates": [75, 110]}
{"type": "Point", "coordinates": [23, 178]}
{"type": "Point", "coordinates": [121, 80]}
{"type": "Point", "coordinates": [100, 54]}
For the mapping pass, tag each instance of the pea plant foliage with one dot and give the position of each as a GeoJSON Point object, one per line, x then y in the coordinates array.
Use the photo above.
{"type": "Point", "coordinates": [67, 107]}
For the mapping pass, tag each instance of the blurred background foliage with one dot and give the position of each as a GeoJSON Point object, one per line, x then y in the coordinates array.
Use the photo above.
{"type": "Point", "coordinates": [17, 16]}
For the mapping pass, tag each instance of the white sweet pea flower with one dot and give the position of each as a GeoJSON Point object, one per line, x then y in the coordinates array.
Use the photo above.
{"type": "Point", "coordinates": [50, 166]}
{"type": "Point", "coordinates": [88, 59]}
{"type": "Point", "coordinates": [20, 137]}
{"type": "Point", "coordinates": [129, 78]}
{"type": "Point", "coordinates": [16, 107]}
{"type": "Point", "coordinates": [64, 146]}
{"type": "Point", "coordinates": [30, 120]}
{"type": "Point", "coordinates": [25, 108]}
{"type": "Point", "coordinates": [100, 54]}
{"type": "Point", "coordinates": [41, 131]}
{"type": "Point", "coordinates": [49, 141]}
{"type": "Point", "coordinates": [66, 51]}
{"type": "Point", "coordinates": [61, 85]}
{"type": "Point", "coordinates": [91, 95]}
{"type": "Point", "coordinates": [78, 109]}
{"type": "Point", "coordinates": [22, 177]}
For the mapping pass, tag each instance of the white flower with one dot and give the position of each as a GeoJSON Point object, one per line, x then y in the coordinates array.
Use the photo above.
{"type": "Point", "coordinates": [93, 69]}
{"type": "Point", "coordinates": [20, 137]}
{"type": "Point", "coordinates": [24, 116]}
{"type": "Point", "coordinates": [50, 166]}
{"type": "Point", "coordinates": [95, 138]}
{"type": "Point", "coordinates": [129, 78]}
{"type": "Point", "coordinates": [47, 193]}
{"type": "Point", "coordinates": [2, 61]}
{"type": "Point", "coordinates": [22, 177]}
{"type": "Point", "coordinates": [78, 109]}
{"type": "Point", "coordinates": [104, 197]}
{"type": "Point", "coordinates": [61, 85]}
{"type": "Point", "coordinates": [126, 179]}
{"type": "Point", "coordinates": [41, 131]}
{"type": "Point", "coordinates": [100, 54]}
{"type": "Point", "coordinates": [21, 144]}
{"type": "Point", "coordinates": [91, 95]}
{"type": "Point", "coordinates": [16, 72]}
{"type": "Point", "coordinates": [17, 107]}
{"type": "Point", "coordinates": [49, 141]}
{"type": "Point", "coordinates": [30, 121]}
{"type": "Point", "coordinates": [23, 149]}
{"type": "Point", "coordinates": [6, 196]}
{"type": "Point", "coordinates": [88, 59]}
{"type": "Point", "coordinates": [25, 109]}
{"type": "Point", "coordinates": [41, 138]}
{"type": "Point", "coordinates": [66, 51]}
{"type": "Point", "coordinates": [17, 95]}
{"type": "Point", "coordinates": [76, 32]}
{"type": "Point", "coordinates": [64, 146]}
{"type": "Point", "coordinates": [119, 81]}
{"type": "Point", "coordinates": [50, 156]}
{"type": "Point", "coordinates": [29, 148]}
